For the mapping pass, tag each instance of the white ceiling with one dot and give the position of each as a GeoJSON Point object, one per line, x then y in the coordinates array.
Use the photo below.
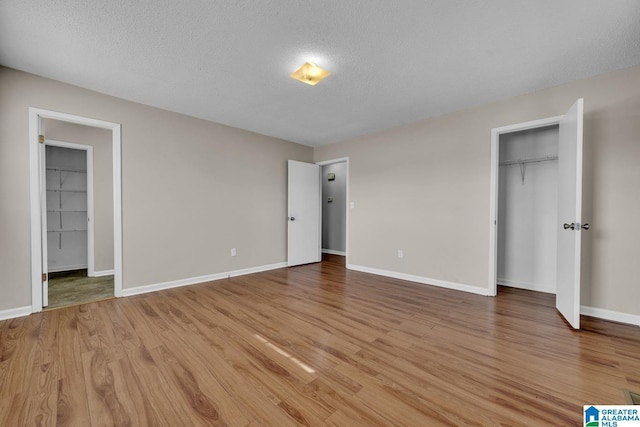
{"type": "Point", "coordinates": [392, 62]}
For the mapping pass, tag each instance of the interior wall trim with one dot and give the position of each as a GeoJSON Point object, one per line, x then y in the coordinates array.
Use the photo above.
{"type": "Point", "coordinates": [68, 268]}
{"type": "Point", "coordinates": [599, 313]}
{"type": "Point", "coordinates": [12, 313]}
{"type": "Point", "coordinates": [528, 286]}
{"type": "Point", "coordinates": [421, 280]}
{"type": "Point", "coordinates": [615, 316]}
{"type": "Point", "coordinates": [200, 279]}
{"type": "Point", "coordinates": [103, 273]}
{"type": "Point", "coordinates": [332, 252]}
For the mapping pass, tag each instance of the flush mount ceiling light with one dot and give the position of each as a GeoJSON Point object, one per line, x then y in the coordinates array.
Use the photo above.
{"type": "Point", "coordinates": [310, 74]}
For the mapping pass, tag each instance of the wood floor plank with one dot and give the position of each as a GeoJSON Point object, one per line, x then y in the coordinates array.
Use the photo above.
{"type": "Point", "coordinates": [312, 345]}
{"type": "Point", "coordinates": [48, 338]}
{"type": "Point", "coordinates": [20, 368]}
{"type": "Point", "coordinates": [105, 404]}
{"type": "Point", "coordinates": [17, 412]}
{"type": "Point", "coordinates": [86, 326]}
{"type": "Point", "coordinates": [110, 344]}
{"type": "Point", "coordinates": [72, 407]}
{"type": "Point", "coordinates": [248, 398]}
{"type": "Point", "coordinates": [143, 326]}
{"type": "Point", "coordinates": [188, 390]}
{"type": "Point", "coordinates": [69, 352]}
{"type": "Point", "coordinates": [5, 404]}
{"type": "Point", "coordinates": [146, 408]}
{"type": "Point", "coordinates": [10, 332]}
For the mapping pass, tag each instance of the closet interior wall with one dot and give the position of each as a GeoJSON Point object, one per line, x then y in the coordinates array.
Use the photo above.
{"type": "Point", "coordinates": [528, 209]}
{"type": "Point", "coordinates": [66, 176]}
{"type": "Point", "coordinates": [334, 203]}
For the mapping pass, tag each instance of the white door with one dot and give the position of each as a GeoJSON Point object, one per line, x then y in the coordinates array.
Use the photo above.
{"type": "Point", "coordinates": [304, 214]}
{"type": "Point", "coordinates": [570, 214]}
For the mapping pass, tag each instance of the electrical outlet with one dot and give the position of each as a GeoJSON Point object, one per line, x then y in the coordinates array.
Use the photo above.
{"type": "Point", "coordinates": [234, 252]}
{"type": "Point", "coordinates": [400, 253]}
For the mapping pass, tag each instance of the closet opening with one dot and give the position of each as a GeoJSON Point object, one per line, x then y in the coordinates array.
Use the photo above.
{"type": "Point", "coordinates": [519, 246]}
{"type": "Point", "coordinates": [527, 212]}
{"type": "Point", "coordinates": [70, 226]}
{"type": "Point", "coordinates": [75, 207]}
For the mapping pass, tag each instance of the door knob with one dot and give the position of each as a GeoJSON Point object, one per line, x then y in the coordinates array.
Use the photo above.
{"type": "Point", "coordinates": [571, 226]}
{"type": "Point", "coordinates": [585, 226]}
{"type": "Point", "coordinates": [292, 218]}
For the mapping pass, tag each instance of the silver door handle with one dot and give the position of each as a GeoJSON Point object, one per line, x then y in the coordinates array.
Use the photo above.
{"type": "Point", "coordinates": [571, 226]}
{"type": "Point", "coordinates": [292, 218]}
{"type": "Point", "coordinates": [585, 226]}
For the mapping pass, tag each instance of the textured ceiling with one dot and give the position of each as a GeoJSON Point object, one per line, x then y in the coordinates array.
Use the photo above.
{"type": "Point", "coordinates": [392, 62]}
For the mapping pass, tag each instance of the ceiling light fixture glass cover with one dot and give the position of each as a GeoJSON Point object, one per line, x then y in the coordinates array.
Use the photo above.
{"type": "Point", "coordinates": [310, 74]}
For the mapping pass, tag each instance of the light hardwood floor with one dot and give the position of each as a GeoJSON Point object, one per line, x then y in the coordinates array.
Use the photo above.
{"type": "Point", "coordinates": [312, 345]}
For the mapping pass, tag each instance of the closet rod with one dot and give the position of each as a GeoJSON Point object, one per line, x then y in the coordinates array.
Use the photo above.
{"type": "Point", "coordinates": [67, 170]}
{"type": "Point", "coordinates": [525, 161]}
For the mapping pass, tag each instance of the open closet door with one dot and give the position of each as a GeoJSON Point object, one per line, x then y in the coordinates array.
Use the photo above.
{"type": "Point", "coordinates": [570, 214]}
{"type": "Point", "coordinates": [304, 214]}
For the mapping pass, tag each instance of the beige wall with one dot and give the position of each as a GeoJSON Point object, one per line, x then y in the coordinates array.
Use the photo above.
{"type": "Point", "coordinates": [100, 140]}
{"type": "Point", "coordinates": [192, 189]}
{"type": "Point", "coordinates": [424, 188]}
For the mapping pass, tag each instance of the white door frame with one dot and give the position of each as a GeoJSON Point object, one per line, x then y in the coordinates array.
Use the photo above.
{"type": "Point", "coordinates": [88, 149]}
{"type": "Point", "coordinates": [493, 192]}
{"type": "Point", "coordinates": [36, 160]}
{"type": "Point", "coordinates": [346, 205]}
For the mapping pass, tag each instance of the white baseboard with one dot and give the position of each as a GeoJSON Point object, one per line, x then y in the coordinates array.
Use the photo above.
{"type": "Point", "coordinates": [200, 279]}
{"type": "Point", "coordinates": [15, 312]}
{"type": "Point", "coordinates": [67, 268]}
{"type": "Point", "coordinates": [103, 273]}
{"type": "Point", "coordinates": [528, 286]}
{"type": "Point", "coordinates": [420, 279]}
{"type": "Point", "coordinates": [614, 316]}
{"type": "Point", "coordinates": [600, 313]}
{"type": "Point", "coordinates": [332, 252]}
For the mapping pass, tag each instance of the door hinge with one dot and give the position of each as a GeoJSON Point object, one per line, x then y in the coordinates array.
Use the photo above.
{"type": "Point", "coordinates": [41, 139]}
{"type": "Point", "coordinates": [44, 277]}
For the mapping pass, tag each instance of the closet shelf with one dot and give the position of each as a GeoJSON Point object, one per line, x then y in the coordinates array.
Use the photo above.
{"type": "Point", "coordinates": [66, 191]}
{"type": "Point", "coordinates": [525, 161]}
{"type": "Point", "coordinates": [64, 231]}
{"type": "Point", "coordinates": [65, 210]}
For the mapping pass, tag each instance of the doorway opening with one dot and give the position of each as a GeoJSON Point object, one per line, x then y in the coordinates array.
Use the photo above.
{"type": "Point", "coordinates": [305, 201]}
{"type": "Point", "coordinates": [333, 178]}
{"type": "Point", "coordinates": [511, 147]}
{"type": "Point", "coordinates": [569, 224]}
{"type": "Point", "coordinates": [63, 219]}
{"type": "Point", "coordinates": [70, 221]}
{"type": "Point", "coordinates": [528, 209]}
